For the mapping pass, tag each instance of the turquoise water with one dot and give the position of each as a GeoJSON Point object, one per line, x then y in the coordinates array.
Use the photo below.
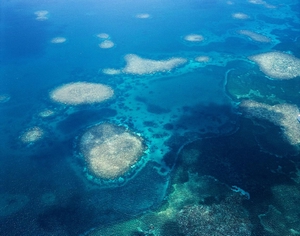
{"type": "Point", "coordinates": [192, 116]}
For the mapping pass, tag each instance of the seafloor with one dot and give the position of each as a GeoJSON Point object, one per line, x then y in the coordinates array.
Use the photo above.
{"type": "Point", "coordinates": [209, 89]}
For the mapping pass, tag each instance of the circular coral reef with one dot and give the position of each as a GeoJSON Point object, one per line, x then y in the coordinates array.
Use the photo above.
{"type": "Point", "coordinates": [110, 151]}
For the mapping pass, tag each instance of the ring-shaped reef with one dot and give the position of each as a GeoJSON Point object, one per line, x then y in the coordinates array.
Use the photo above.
{"type": "Point", "coordinates": [112, 153]}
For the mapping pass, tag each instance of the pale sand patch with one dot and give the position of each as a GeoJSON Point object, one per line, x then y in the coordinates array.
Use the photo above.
{"type": "Point", "coordinates": [58, 40]}
{"type": "Point", "coordinates": [240, 16]}
{"type": "Point", "coordinates": [140, 66]}
{"type": "Point", "coordinates": [106, 44]}
{"type": "Point", "coordinates": [283, 115]}
{"type": "Point", "coordinates": [278, 65]}
{"type": "Point", "coordinates": [255, 36]}
{"type": "Point", "coordinates": [32, 135]}
{"type": "Point", "coordinates": [110, 151]}
{"type": "Point", "coordinates": [81, 93]}
{"type": "Point", "coordinates": [194, 38]}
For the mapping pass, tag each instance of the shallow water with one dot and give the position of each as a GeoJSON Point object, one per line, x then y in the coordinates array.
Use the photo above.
{"type": "Point", "coordinates": [191, 115]}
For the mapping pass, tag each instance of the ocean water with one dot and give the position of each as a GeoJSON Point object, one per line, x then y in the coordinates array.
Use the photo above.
{"type": "Point", "coordinates": [205, 91]}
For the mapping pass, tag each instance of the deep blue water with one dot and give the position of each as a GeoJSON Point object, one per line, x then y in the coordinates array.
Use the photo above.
{"type": "Point", "coordinates": [45, 188]}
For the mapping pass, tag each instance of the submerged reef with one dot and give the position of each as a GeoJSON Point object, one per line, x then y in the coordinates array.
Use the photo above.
{"type": "Point", "coordinates": [194, 38]}
{"type": "Point", "coordinates": [46, 113]}
{"type": "Point", "coordinates": [41, 15]}
{"type": "Point", "coordinates": [284, 211]}
{"type": "Point", "coordinates": [199, 204]}
{"type": "Point", "coordinates": [106, 44]}
{"type": "Point", "coordinates": [202, 59]}
{"type": "Point", "coordinates": [224, 218]}
{"type": "Point", "coordinates": [110, 151]}
{"type": "Point", "coordinates": [32, 135]}
{"type": "Point", "coordinates": [81, 93]}
{"type": "Point", "coordinates": [141, 66]}
{"type": "Point", "coordinates": [246, 82]}
{"type": "Point", "coordinates": [58, 40]}
{"type": "Point", "coordinates": [103, 36]}
{"type": "Point", "coordinates": [278, 65]}
{"type": "Point", "coordinates": [283, 115]}
{"type": "Point", "coordinates": [255, 36]}
{"type": "Point", "coordinates": [174, 218]}
{"type": "Point", "coordinates": [137, 65]}
{"type": "Point", "coordinates": [240, 16]}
